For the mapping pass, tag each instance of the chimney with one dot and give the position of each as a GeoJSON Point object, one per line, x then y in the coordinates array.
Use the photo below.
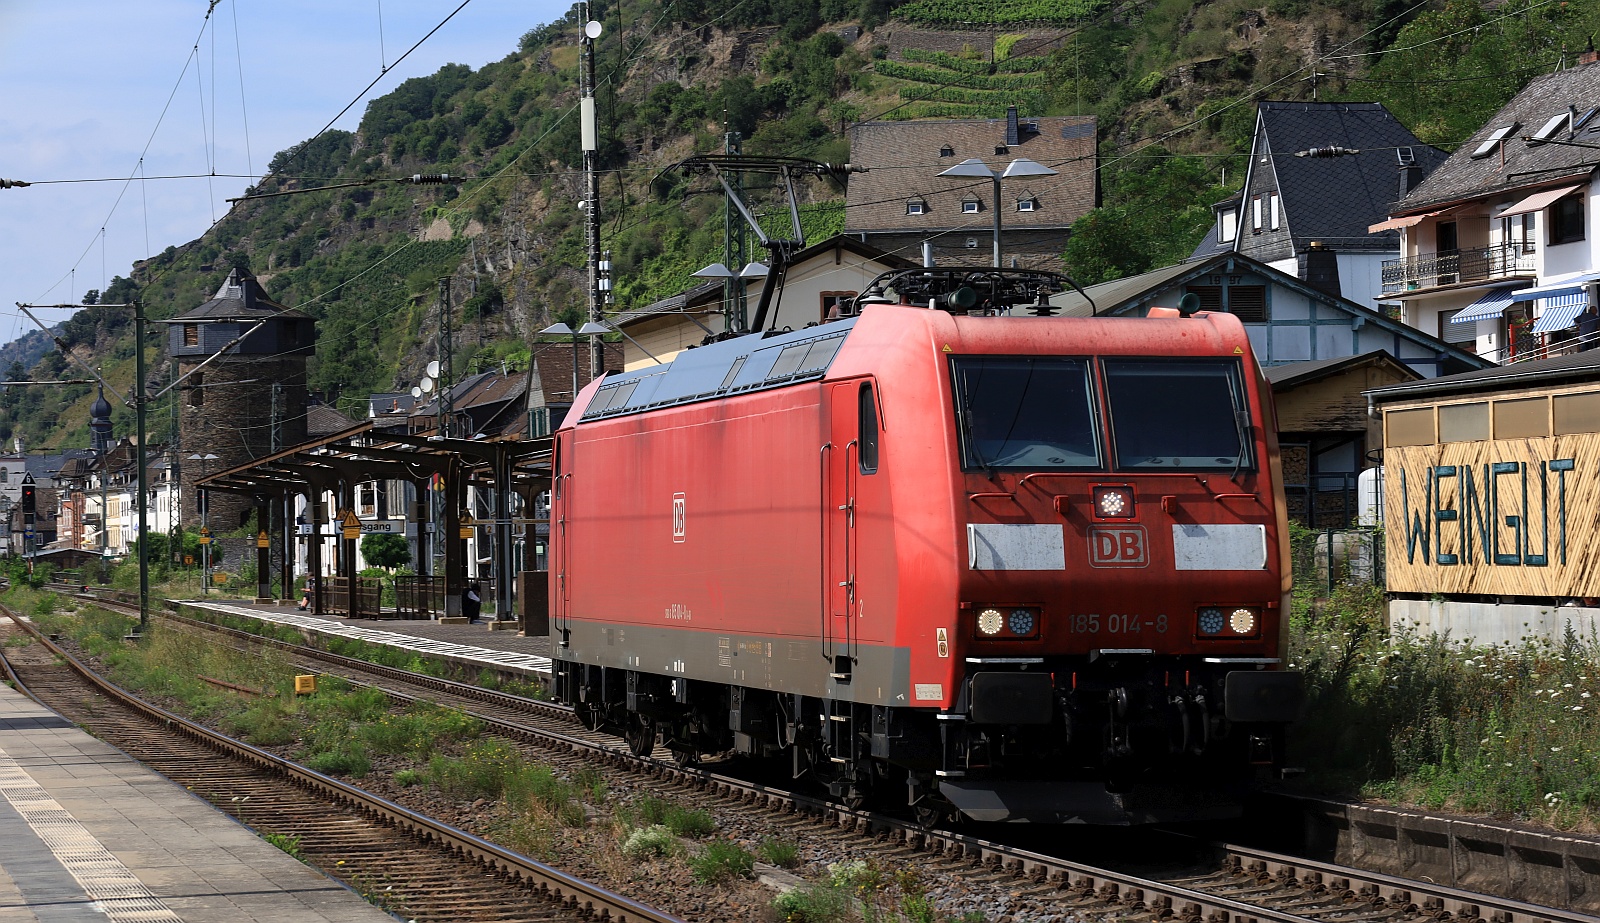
{"type": "Point", "coordinates": [1410, 171]}
{"type": "Point", "coordinates": [1589, 55]}
{"type": "Point", "coordinates": [1013, 133]}
{"type": "Point", "coordinates": [1319, 267]}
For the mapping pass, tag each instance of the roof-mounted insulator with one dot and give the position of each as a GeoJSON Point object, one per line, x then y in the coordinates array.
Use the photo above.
{"type": "Point", "coordinates": [13, 183]}
{"type": "Point", "coordinates": [1332, 150]}
{"type": "Point", "coordinates": [429, 179]}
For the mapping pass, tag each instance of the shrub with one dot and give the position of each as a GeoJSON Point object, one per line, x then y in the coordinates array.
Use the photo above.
{"type": "Point", "coordinates": [810, 905]}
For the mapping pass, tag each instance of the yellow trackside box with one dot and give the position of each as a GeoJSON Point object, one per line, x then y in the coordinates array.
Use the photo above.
{"type": "Point", "coordinates": [305, 685]}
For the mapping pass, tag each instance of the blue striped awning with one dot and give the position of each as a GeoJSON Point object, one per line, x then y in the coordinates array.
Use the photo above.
{"type": "Point", "coordinates": [1559, 312]}
{"type": "Point", "coordinates": [1490, 305]}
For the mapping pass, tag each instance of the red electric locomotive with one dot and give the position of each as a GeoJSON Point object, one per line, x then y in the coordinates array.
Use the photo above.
{"type": "Point", "coordinates": [1023, 568]}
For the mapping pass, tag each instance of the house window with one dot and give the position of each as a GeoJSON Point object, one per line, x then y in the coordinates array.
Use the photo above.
{"type": "Point", "coordinates": [1566, 220]}
{"type": "Point", "coordinates": [970, 206]}
{"type": "Point", "coordinates": [1548, 129]}
{"type": "Point", "coordinates": [1210, 296]}
{"type": "Point", "coordinates": [1255, 214]}
{"type": "Point", "coordinates": [916, 207]}
{"type": "Point", "coordinates": [834, 304]}
{"type": "Point", "coordinates": [1248, 303]}
{"type": "Point", "coordinates": [947, 151]}
{"type": "Point", "coordinates": [972, 243]}
{"type": "Point", "coordinates": [197, 396]}
{"type": "Point", "coordinates": [1027, 205]}
{"type": "Point", "coordinates": [367, 499]}
{"type": "Point", "coordinates": [1491, 143]}
{"type": "Point", "coordinates": [191, 334]}
{"type": "Point", "coordinates": [1274, 198]}
{"type": "Point", "coordinates": [5, 475]}
{"type": "Point", "coordinates": [1001, 149]}
{"type": "Point", "coordinates": [1516, 233]}
{"type": "Point", "coordinates": [1227, 225]}
{"type": "Point", "coordinates": [1464, 422]}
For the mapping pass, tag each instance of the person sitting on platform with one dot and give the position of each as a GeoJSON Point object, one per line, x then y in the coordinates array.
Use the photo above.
{"type": "Point", "coordinates": [471, 603]}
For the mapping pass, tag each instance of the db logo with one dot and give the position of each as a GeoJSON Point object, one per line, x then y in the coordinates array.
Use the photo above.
{"type": "Point", "coordinates": [1123, 546]}
{"type": "Point", "coordinates": [677, 517]}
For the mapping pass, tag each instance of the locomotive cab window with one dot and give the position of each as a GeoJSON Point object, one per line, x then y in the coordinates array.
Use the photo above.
{"type": "Point", "coordinates": [1178, 414]}
{"type": "Point", "coordinates": [1025, 412]}
{"type": "Point", "coordinates": [869, 431]}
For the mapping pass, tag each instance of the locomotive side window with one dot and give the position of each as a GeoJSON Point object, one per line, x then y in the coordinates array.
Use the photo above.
{"type": "Point", "coordinates": [1178, 413]}
{"type": "Point", "coordinates": [1025, 412]}
{"type": "Point", "coordinates": [869, 431]}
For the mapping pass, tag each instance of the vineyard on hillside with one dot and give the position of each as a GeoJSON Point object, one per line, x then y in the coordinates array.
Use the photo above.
{"type": "Point", "coordinates": [962, 12]}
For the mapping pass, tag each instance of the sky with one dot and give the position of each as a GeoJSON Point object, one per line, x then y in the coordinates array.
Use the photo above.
{"type": "Point", "coordinates": [83, 86]}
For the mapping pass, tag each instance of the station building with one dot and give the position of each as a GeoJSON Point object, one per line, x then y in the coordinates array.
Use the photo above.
{"type": "Point", "coordinates": [1491, 501]}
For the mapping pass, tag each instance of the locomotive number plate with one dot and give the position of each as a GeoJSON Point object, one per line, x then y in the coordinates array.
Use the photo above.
{"type": "Point", "coordinates": [1118, 546]}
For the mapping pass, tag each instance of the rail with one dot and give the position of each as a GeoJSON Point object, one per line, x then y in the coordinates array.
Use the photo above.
{"type": "Point", "coordinates": [583, 895]}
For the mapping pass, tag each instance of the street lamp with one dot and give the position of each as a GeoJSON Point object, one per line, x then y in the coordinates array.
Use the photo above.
{"type": "Point", "coordinates": [733, 284]}
{"type": "Point", "coordinates": [205, 521]}
{"type": "Point", "coordinates": [1022, 166]}
{"type": "Point", "coordinates": [590, 328]}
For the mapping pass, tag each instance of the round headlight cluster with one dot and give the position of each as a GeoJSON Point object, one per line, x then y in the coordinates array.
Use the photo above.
{"type": "Point", "coordinates": [1112, 504]}
{"type": "Point", "coordinates": [1021, 622]}
{"type": "Point", "coordinates": [990, 621]}
{"type": "Point", "coordinates": [1211, 621]}
{"type": "Point", "coordinates": [1242, 621]}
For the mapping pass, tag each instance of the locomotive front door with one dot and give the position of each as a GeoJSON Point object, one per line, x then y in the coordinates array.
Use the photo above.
{"type": "Point", "coordinates": [840, 478]}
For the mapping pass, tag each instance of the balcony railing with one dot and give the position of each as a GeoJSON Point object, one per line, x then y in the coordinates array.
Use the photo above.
{"type": "Point", "coordinates": [1454, 266]}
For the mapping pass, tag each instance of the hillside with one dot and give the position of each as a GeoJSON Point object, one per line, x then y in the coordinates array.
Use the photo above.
{"type": "Point", "coordinates": [1170, 81]}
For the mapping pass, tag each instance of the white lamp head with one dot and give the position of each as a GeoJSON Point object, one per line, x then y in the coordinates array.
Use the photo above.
{"type": "Point", "coordinates": [557, 329]}
{"type": "Point", "coordinates": [714, 271]}
{"type": "Point", "coordinates": [591, 328]}
{"type": "Point", "coordinates": [972, 166]}
{"type": "Point", "coordinates": [1022, 166]}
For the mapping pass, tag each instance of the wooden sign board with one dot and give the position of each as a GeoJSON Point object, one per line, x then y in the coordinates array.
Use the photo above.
{"type": "Point", "coordinates": [1505, 517]}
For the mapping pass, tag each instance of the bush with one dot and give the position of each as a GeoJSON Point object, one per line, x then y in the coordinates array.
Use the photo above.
{"type": "Point", "coordinates": [810, 905]}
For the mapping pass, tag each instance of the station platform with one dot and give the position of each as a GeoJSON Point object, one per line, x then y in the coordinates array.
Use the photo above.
{"type": "Point", "coordinates": [88, 834]}
{"type": "Point", "coordinates": [469, 645]}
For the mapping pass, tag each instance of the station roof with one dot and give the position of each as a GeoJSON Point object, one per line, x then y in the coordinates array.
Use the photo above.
{"type": "Point", "coordinates": [1573, 368]}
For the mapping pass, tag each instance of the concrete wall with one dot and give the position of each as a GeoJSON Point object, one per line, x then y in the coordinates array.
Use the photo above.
{"type": "Point", "coordinates": [1491, 623]}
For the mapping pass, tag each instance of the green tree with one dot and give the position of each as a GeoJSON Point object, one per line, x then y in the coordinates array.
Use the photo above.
{"type": "Point", "coordinates": [383, 549]}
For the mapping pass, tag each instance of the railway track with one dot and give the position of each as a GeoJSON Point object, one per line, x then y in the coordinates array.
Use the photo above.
{"type": "Point", "coordinates": [404, 862]}
{"type": "Point", "coordinates": [1245, 885]}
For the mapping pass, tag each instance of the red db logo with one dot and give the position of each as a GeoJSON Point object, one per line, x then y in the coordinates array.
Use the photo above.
{"type": "Point", "coordinates": [1122, 546]}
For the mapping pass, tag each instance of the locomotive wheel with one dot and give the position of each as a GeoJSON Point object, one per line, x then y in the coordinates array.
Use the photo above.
{"type": "Point", "coordinates": [640, 735]}
{"type": "Point", "coordinates": [930, 813]}
{"type": "Point", "coordinates": [588, 715]}
{"type": "Point", "coordinates": [685, 756]}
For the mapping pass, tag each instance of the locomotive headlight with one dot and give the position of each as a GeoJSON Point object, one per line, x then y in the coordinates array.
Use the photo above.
{"type": "Point", "coordinates": [1243, 621]}
{"type": "Point", "coordinates": [1113, 502]}
{"type": "Point", "coordinates": [1022, 622]}
{"type": "Point", "coordinates": [1211, 620]}
{"type": "Point", "coordinates": [991, 621]}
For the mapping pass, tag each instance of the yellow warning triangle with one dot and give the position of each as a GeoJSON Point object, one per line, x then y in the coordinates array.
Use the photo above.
{"type": "Point", "coordinates": [1238, 350]}
{"type": "Point", "coordinates": [947, 347]}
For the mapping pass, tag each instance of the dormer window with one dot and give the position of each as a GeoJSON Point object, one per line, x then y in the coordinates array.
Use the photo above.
{"type": "Point", "coordinates": [1493, 141]}
{"type": "Point", "coordinates": [947, 151]}
{"type": "Point", "coordinates": [916, 207]}
{"type": "Point", "coordinates": [1001, 149]}
{"type": "Point", "coordinates": [1548, 129]}
{"type": "Point", "coordinates": [1227, 225]}
{"type": "Point", "coordinates": [970, 206]}
{"type": "Point", "coordinates": [1027, 203]}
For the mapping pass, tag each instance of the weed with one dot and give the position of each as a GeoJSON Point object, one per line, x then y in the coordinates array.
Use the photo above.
{"type": "Point", "coordinates": [681, 821]}
{"type": "Point", "coordinates": [720, 861]}
{"type": "Point", "coordinates": [406, 778]}
{"type": "Point", "coordinates": [351, 761]}
{"type": "Point", "coordinates": [785, 854]}
{"type": "Point", "coordinates": [811, 905]}
{"type": "Point", "coordinates": [654, 840]}
{"type": "Point", "coordinates": [592, 783]}
{"type": "Point", "coordinates": [286, 842]}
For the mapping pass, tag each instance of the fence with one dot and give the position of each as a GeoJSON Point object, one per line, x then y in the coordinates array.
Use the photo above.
{"type": "Point", "coordinates": [1334, 556]}
{"type": "Point", "coordinates": [367, 601]}
{"type": "Point", "coordinates": [419, 597]}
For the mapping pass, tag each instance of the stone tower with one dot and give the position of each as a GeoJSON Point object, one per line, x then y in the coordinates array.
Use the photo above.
{"type": "Point", "coordinates": [250, 401]}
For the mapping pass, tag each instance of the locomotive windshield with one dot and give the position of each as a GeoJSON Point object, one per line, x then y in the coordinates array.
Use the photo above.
{"type": "Point", "coordinates": [1025, 412]}
{"type": "Point", "coordinates": [1178, 413]}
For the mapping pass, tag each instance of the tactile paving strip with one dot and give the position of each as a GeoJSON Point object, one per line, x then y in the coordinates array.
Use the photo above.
{"type": "Point", "coordinates": [115, 890]}
{"type": "Point", "coordinates": [531, 662]}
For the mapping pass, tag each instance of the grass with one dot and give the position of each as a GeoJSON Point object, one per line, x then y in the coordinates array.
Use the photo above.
{"type": "Point", "coordinates": [721, 861]}
{"type": "Point", "coordinates": [685, 822]}
{"type": "Point", "coordinates": [288, 843]}
{"type": "Point", "coordinates": [784, 854]}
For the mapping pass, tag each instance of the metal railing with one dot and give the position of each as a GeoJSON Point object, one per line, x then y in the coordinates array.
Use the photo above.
{"type": "Point", "coordinates": [418, 597]}
{"type": "Point", "coordinates": [1450, 267]}
{"type": "Point", "coordinates": [365, 602]}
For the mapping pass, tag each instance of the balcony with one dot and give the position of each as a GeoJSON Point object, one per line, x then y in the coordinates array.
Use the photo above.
{"type": "Point", "coordinates": [1507, 261]}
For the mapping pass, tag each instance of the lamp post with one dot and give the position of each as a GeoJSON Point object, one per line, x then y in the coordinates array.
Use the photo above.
{"type": "Point", "coordinates": [589, 329]}
{"type": "Point", "coordinates": [205, 522]}
{"type": "Point", "coordinates": [1022, 166]}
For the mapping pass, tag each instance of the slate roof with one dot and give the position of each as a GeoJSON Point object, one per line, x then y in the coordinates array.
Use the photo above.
{"type": "Point", "coordinates": [1332, 200]}
{"type": "Point", "coordinates": [1462, 177]}
{"type": "Point", "coordinates": [903, 160]}
{"type": "Point", "coordinates": [1572, 367]}
{"type": "Point", "coordinates": [324, 420]}
{"type": "Point", "coordinates": [241, 297]}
